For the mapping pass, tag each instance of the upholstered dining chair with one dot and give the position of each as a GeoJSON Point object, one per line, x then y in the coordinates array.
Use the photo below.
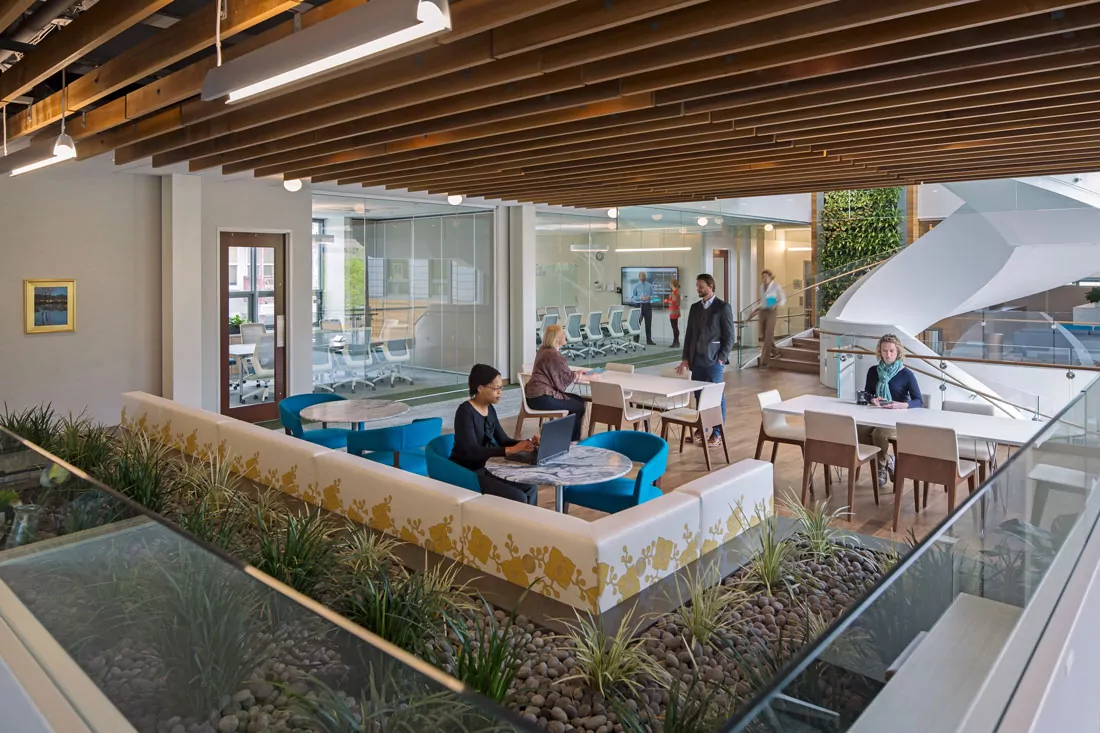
{"type": "Point", "coordinates": [981, 452]}
{"type": "Point", "coordinates": [930, 455]}
{"type": "Point", "coordinates": [775, 427]}
{"type": "Point", "coordinates": [706, 415]}
{"type": "Point", "coordinates": [527, 412]}
{"type": "Point", "coordinates": [400, 446]}
{"type": "Point", "coordinates": [832, 440]}
{"type": "Point", "coordinates": [610, 408]}
{"type": "Point", "coordinates": [437, 456]}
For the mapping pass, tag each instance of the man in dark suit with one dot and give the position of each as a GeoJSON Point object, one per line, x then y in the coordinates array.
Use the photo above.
{"type": "Point", "coordinates": [708, 341]}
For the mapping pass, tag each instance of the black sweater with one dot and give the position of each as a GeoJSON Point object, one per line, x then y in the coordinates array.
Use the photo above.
{"type": "Point", "coordinates": [478, 438]}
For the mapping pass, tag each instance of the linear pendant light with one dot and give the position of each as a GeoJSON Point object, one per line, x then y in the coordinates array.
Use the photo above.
{"type": "Point", "coordinates": [64, 149]}
{"type": "Point", "coordinates": [369, 29]}
{"type": "Point", "coordinates": [653, 249]}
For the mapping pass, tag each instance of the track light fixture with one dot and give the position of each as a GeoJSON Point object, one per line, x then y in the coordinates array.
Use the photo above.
{"type": "Point", "coordinates": [366, 30]}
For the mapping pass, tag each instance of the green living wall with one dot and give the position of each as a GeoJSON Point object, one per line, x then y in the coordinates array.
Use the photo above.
{"type": "Point", "coordinates": [856, 228]}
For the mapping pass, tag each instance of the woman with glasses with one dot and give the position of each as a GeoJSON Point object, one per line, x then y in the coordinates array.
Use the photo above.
{"type": "Point", "coordinates": [479, 437]}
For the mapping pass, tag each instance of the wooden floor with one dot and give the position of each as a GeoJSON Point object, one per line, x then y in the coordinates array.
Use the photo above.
{"type": "Point", "coordinates": [742, 428]}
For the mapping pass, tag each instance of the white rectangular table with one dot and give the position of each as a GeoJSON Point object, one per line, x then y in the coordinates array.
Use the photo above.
{"type": "Point", "coordinates": [1004, 430]}
{"type": "Point", "coordinates": [650, 384]}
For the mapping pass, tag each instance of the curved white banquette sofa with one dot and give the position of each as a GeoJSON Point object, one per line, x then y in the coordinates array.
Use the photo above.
{"type": "Point", "coordinates": [592, 566]}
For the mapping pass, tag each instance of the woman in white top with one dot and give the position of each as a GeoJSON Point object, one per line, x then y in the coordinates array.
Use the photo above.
{"type": "Point", "coordinates": [772, 298]}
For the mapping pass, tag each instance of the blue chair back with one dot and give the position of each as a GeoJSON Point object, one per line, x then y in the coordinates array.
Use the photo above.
{"type": "Point", "coordinates": [290, 409]}
{"type": "Point", "coordinates": [442, 468]}
{"type": "Point", "coordinates": [645, 448]}
{"type": "Point", "coordinates": [395, 438]}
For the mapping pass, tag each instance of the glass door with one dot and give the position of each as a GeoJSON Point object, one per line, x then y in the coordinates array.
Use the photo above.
{"type": "Point", "coordinates": [253, 326]}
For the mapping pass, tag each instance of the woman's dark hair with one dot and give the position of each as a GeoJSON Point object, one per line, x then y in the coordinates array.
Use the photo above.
{"type": "Point", "coordinates": [708, 279]}
{"type": "Point", "coordinates": [480, 376]}
{"type": "Point", "coordinates": [768, 273]}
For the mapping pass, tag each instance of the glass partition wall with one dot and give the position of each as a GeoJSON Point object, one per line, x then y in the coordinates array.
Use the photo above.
{"type": "Point", "coordinates": [402, 296]}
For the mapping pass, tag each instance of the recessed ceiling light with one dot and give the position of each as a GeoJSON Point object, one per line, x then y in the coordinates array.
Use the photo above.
{"type": "Point", "coordinates": [702, 221]}
{"type": "Point", "coordinates": [293, 185]}
{"type": "Point", "coordinates": [454, 199]}
{"type": "Point", "coordinates": [613, 213]}
{"type": "Point", "coordinates": [769, 227]}
{"type": "Point", "coordinates": [359, 208]}
{"type": "Point", "coordinates": [657, 217]}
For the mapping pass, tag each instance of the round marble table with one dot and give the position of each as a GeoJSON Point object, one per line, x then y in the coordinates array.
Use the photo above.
{"type": "Point", "coordinates": [581, 465]}
{"type": "Point", "coordinates": [355, 412]}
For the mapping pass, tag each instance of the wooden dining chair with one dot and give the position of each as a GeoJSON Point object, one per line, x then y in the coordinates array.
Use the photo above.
{"type": "Point", "coordinates": [981, 452]}
{"type": "Point", "coordinates": [775, 428]}
{"type": "Point", "coordinates": [707, 415]}
{"type": "Point", "coordinates": [526, 411]}
{"type": "Point", "coordinates": [609, 407]}
{"type": "Point", "coordinates": [832, 440]}
{"type": "Point", "coordinates": [929, 455]}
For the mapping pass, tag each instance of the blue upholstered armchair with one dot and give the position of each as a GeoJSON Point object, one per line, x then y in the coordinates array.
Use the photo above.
{"type": "Point", "coordinates": [400, 446]}
{"type": "Point", "coordinates": [290, 409]}
{"type": "Point", "coordinates": [442, 468]}
{"type": "Point", "coordinates": [623, 493]}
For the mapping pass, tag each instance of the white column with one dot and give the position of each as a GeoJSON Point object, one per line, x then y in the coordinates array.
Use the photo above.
{"type": "Point", "coordinates": [502, 300]}
{"type": "Point", "coordinates": [181, 285]}
{"type": "Point", "coordinates": [521, 268]}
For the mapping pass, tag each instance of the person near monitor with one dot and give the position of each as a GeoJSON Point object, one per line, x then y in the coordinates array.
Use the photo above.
{"type": "Point", "coordinates": [708, 340]}
{"type": "Point", "coordinates": [892, 386]}
{"type": "Point", "coordinates": [551, 377]}
{"type": "Point", "coordinates": [642, 295]}
{"type": "Point", "coordinates": [479, 437]}
{"type": "Point", "coordinates": [674, 311]}
{"type": "Point", "coordinates": [772, 298]}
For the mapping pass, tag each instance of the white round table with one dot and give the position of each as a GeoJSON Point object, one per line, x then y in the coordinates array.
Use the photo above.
{"type": "Point", "coordinates": [581, 465]}
{"type": "Point", "coordinates": [355, 412]}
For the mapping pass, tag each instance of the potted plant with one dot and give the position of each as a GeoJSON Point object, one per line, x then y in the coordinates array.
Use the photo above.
{"type": "Point", "coordinates": [235, 324]}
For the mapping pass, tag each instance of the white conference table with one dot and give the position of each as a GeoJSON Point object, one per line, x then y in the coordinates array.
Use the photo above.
{"type": "Point", "coordinates": [1004, 430]}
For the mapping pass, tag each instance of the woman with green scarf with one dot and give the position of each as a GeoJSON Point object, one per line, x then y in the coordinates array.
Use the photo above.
{"type": "Point", "coordinates": [894, 387]}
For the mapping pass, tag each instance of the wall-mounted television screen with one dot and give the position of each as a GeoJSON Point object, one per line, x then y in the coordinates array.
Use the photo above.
{"type": "Point", "coordinates": [660, 277]}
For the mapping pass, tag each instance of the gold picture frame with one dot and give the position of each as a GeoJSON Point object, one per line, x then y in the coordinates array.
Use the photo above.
{"type": "Point", "coordinates": [49, 306]}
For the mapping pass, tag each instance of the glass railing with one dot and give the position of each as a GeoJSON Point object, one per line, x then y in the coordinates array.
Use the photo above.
{"type": "Point", "coordinates": [1016, 335]}
{"type": "Point", "coordinates": [806, 304]}
{"type": "Point", "coordinates": [116, 604]}
{"type": "Point", "coordinates": [943, 640]}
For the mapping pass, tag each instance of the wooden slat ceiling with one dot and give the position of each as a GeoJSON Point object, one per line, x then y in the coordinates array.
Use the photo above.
{"type": "Point", "coordinates": [607, 103]}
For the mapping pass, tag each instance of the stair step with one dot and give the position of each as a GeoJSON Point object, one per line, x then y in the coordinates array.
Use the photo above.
{"type": "Point", "coordinates": [793, 365]}
{"type": "Point", "coordinates": [802, 342]}
{"type": "Point", "coordinates": [793, 353]}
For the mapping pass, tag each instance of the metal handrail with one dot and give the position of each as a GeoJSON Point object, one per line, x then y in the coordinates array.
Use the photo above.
{"type": "Point", "coordinates": [968, 359]}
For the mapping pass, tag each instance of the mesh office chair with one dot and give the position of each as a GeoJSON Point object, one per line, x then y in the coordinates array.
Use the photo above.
{"type": "Point", "coordinates": [323, 368]}
{"type": "Point", "coordinates": [251, 333]}
{"type": "Point", "coordinates": [634, 329]}
{"type": "Point", "coordinates": [260, 368]}
{"type": "Point", "coordinates": [571, 309]}
{"type": "Point", "coordinates": [593, 334]}
{"type": "Point", "coordinates": [574, 338]}
{"type": "Point", "coordinates": [552, 310]}
{"type": "Point", "coordinates": [355, 369]}
{"type": "Point", "coordinates": [548, 320]}
{"type": "Point", "coordinates": [618, 340]}
{"type": "Point", "coordinates": [396, 352]}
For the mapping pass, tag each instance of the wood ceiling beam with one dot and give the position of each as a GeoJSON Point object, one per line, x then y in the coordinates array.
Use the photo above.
{"type": "Point", "coordinates": [838, 18]}
{"type": "Point", "coordinates": [1083, 92]}
{"type": "Point", "coordinates": [579, 19]}
{"type": "Point", "coordinates": [996, 91]}
{"type": "Point", "coordinates": [975, 172]}
{"type": "Point", "coordinates": [577, 104]}
{"type": "Point", "coordinates": [1022, 157]}
{"type": "Point", "coordinates": [399, 95]}
{"type": "Point", "coordinates": [189, 36]}
{"type": "Point", "coordinates": [12, 10]}
{"type": "Point", "coordinates": [924, 35]}
{"type": "Point", "coordinates": [679, 26]}
{"type": "Point", "coordinates": [710, 96]}
{"type": "Point", "coordinates": [99, 24]}
{"type": "Point", "coordinates": [1028, 135]}
{"type": "Point", "coordinates": [470, 17]}
{"type": "Point", "coordinates": [381, 161]}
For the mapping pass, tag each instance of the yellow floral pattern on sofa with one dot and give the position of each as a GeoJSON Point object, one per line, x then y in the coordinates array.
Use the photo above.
{"type": "Point", "coordinates": [659, 558]}
{"type": "Point", "coordinates": [183, 442]}
{"type": "Point", "coordinates": [736, 522]}
{"type": "Point", "coordinates": [553, 573]}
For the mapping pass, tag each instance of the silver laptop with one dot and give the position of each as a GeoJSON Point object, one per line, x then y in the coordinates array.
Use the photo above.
{"type": "Point", "coordinates": [553, 443]}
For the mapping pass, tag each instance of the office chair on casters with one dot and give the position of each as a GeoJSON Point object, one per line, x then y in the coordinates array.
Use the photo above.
{"type": "Point", "coordinates": [324, 369]}
{"type": "Point", "coordinates": [574, 338]}
{"type": "Point", "coordinates": [260, 368]}
{"type": "Point", "coordinates": [634, 329]}
{"type": "Point", "coordinates": [251, 333]}
{"type": "Point", "coordinates": [355, 370]}
{"type": "Point", "coordinates": [618, 340]}
{"type": "Point", "coordinates": [593, 334]}
{"type": "Point", "coordinates": [570, 310]}
{"type": "Point", "coordinates": [396, 352]}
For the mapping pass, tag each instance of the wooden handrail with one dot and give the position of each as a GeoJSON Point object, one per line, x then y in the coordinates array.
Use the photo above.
{"type": "Point", "coordinates": [970, 359]}
{"type": "Point", "coordinates": [1022, 320]}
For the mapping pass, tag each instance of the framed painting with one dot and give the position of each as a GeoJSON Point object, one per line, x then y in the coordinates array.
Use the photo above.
{"type": "Point", "coordinates": [49, 306]}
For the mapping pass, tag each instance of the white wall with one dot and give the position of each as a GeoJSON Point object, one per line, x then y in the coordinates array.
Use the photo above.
{"type": "Point", "coordinates": [103, 230]}
{"type": "Point", "coordinates": [258, 206]}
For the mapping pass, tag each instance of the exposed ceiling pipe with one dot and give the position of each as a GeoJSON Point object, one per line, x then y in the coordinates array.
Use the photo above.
{"type": "Point", "coordinates": [50, 11]}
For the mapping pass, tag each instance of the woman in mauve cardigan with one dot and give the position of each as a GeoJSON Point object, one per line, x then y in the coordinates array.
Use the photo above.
{"type": "Point", "coordinates": [551, 377]}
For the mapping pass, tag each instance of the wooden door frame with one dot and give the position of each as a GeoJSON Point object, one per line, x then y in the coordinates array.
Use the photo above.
{"type": "Point", "coordinates": [723, 254]}
{"type": "Point", "coordinates": [263, 411]}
